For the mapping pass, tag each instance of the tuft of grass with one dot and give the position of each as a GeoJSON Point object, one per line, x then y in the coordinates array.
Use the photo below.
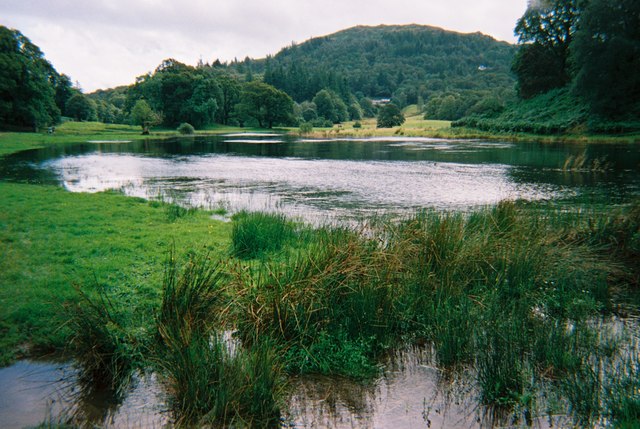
{"type": "Point", "coordinates": [107, 351]}
{"type": "Point", "coordinates": [211, 380]}
{"type": "Point", "coordinates": [255, 234]}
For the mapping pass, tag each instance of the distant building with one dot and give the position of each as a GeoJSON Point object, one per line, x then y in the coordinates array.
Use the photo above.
{"type": "Point", "coordinates": [380, 101]}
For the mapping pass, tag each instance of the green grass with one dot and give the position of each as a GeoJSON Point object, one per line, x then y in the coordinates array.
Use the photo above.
{"type": "Point", "coordinates": [79, 132]}
{"type": "Point", "coordinates": [255, 234]}
{"type": "Point", "coordinates": [51, 240]}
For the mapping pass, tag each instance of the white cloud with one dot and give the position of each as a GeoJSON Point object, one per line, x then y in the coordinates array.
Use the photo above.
{"type": "Point", "coordinates": [110, 42]}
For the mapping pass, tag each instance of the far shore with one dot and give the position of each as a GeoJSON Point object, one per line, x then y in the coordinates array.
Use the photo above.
{"type": "Point", "coordinates": [415, 126]}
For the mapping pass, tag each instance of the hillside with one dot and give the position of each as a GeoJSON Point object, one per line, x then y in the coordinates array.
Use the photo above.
{"type": "Point", "coordinates": [405, 62]}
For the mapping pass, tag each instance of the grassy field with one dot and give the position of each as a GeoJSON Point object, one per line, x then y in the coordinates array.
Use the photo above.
{"type": "Point", "coordinates": [79, 132]}
{"type": "Point", "coordinates": [52, 241]}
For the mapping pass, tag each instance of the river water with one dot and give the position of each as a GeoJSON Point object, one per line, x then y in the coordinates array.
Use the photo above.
{"type": "Point", "coordinates": [319, 181]}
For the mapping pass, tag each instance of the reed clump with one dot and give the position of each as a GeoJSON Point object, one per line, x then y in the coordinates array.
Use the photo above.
{"type": "Point", "coordinates": [104, 344]}
{"type": "Point", "coordinates": [255, 234]}
{"type": "Point", "coordinates": [212, 380]}
{"type": "Point", "coordinates": [505, 291]}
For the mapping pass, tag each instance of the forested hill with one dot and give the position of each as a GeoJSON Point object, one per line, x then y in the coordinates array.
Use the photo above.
{"type": "Point", "coordinates": [403, 62]}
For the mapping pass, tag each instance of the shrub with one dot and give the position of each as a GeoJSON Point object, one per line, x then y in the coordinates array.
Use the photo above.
{"type": "Point", "coordinates": [357, 124]}
{"type": "Point", "coordinates": [306, 128]}
{"type": "Point", "coordinates": [186, 129]}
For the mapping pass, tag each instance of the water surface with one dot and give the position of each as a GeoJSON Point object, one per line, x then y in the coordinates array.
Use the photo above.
{"type": "Point", "coordinates": [323, 179]}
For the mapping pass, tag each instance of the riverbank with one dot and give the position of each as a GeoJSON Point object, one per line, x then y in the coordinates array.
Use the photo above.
{"type": "Point", "coordinates": [417, 126]}
{"type": "Point", "coordinates": [516, 296]}
{"type": "Point", "coordinates": [79, 132]}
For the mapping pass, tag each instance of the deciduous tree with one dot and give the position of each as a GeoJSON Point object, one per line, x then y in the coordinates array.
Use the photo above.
{"type": "Point", "coordinates": [27, 95]}
{"type": "Point", "coordinates": [606, 53]}
{"type": "Point", "coordinates": [390, 116]}
{"type": "Point", "coordinates": [545, 32]}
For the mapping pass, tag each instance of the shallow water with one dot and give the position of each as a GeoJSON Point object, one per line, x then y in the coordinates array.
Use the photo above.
{"type": "Point", "coordinates": [322, 180]}
{"type": "Point", "coordinates": [410, 394]}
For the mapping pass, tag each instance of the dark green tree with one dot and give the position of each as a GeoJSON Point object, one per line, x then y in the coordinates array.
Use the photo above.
{"type": "Point", "coordinates": [230, 96]}
{"type": "Point", "coordinates": [27, 93]}
{"type": "Point", "coordinates": [266, 104]}
{"type": "Point", "coordinates": [81, 108]}
{"type": "Point", "coordinates": [143, 115]}
{"type": "Point", "coordinates": [545, 33]}
{"type": "Point", "coordinates": [606, 53]}
{"type": "Point", "coordinates": [330, 106]}
{"type": "Point", "coordinates": [390, 116]}
{"type": "Point", "coordinates": [64, 90]}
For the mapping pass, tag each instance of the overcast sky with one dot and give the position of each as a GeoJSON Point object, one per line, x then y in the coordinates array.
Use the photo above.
{"type": "Point", "coordinates": [106, 43]}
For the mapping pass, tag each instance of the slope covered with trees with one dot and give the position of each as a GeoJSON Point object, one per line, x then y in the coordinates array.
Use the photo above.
{"type": "Point", "coordinates": [410, 64]}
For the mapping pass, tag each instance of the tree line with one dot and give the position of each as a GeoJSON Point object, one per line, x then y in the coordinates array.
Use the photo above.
{"type": "Point", "coordinates": [586, 49]}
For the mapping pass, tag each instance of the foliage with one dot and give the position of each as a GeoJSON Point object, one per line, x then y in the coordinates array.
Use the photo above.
{"type": "Point", "coordinates": [539, 69]}
{"type": "Point", "coordinates": [558, 111]}
{"type": "Point", "coordinates": [143, 115]}
{"type": "Point", "coordinates": [403, 62]}
{"type": "Point", "coordinates": [305, 128]}
{"type": "Point", "coordinates": [186, 129]}
{"type": "Point", "coordinates": [549, 25]}
{"type": "Point", "coordinates": [606, 53]}
{"type": "Point", "coordinates": [27, 89]}
{"type": "Point", "coordinates": [81, 108]}
{"type": "Point", "coordinates": [390, 116]}
{"type": "Point", "coordinates": [266, 104]}
{"type": "Point", "coordinates": [330, 107]}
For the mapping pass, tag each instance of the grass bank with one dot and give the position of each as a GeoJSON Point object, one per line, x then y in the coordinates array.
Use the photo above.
{"type": "Point", "coordinates": [51, 240]}
{"type": "Point", "coordinates": [501, 129]}
{"type": "Point", "coordinates": [80, 132]}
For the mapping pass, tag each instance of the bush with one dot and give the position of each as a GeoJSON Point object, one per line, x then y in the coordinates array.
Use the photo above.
{"type": "Point", "coordinates": [306, 128]}
{"type": "Point", "coordinates": [390, 116]}
{"type": "Point", "coordinates": [186, 129]}
{"type": "Point", "coordinates": [357, 125]}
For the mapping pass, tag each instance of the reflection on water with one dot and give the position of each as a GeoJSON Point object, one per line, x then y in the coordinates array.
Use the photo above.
{"type": "Point", "coordinates": [325, 179]}
{"type": "Point", "coordinates": [34, 392]}
{"type": "Point", "coordinates": [411, 393]}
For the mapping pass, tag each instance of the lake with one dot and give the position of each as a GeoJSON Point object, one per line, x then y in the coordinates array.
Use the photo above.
{"type": "Point", "coordinates": [323, 180]}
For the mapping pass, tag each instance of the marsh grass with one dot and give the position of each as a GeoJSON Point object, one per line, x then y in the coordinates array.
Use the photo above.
{"type": "Point", "coordinates": [211, 381]}
{"type": "Point", "coordinates": [255, 234]}
{"type": "Point", "coordinates": [108, 352]}
{"type": "Point", "coordinates": [506, 291]}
